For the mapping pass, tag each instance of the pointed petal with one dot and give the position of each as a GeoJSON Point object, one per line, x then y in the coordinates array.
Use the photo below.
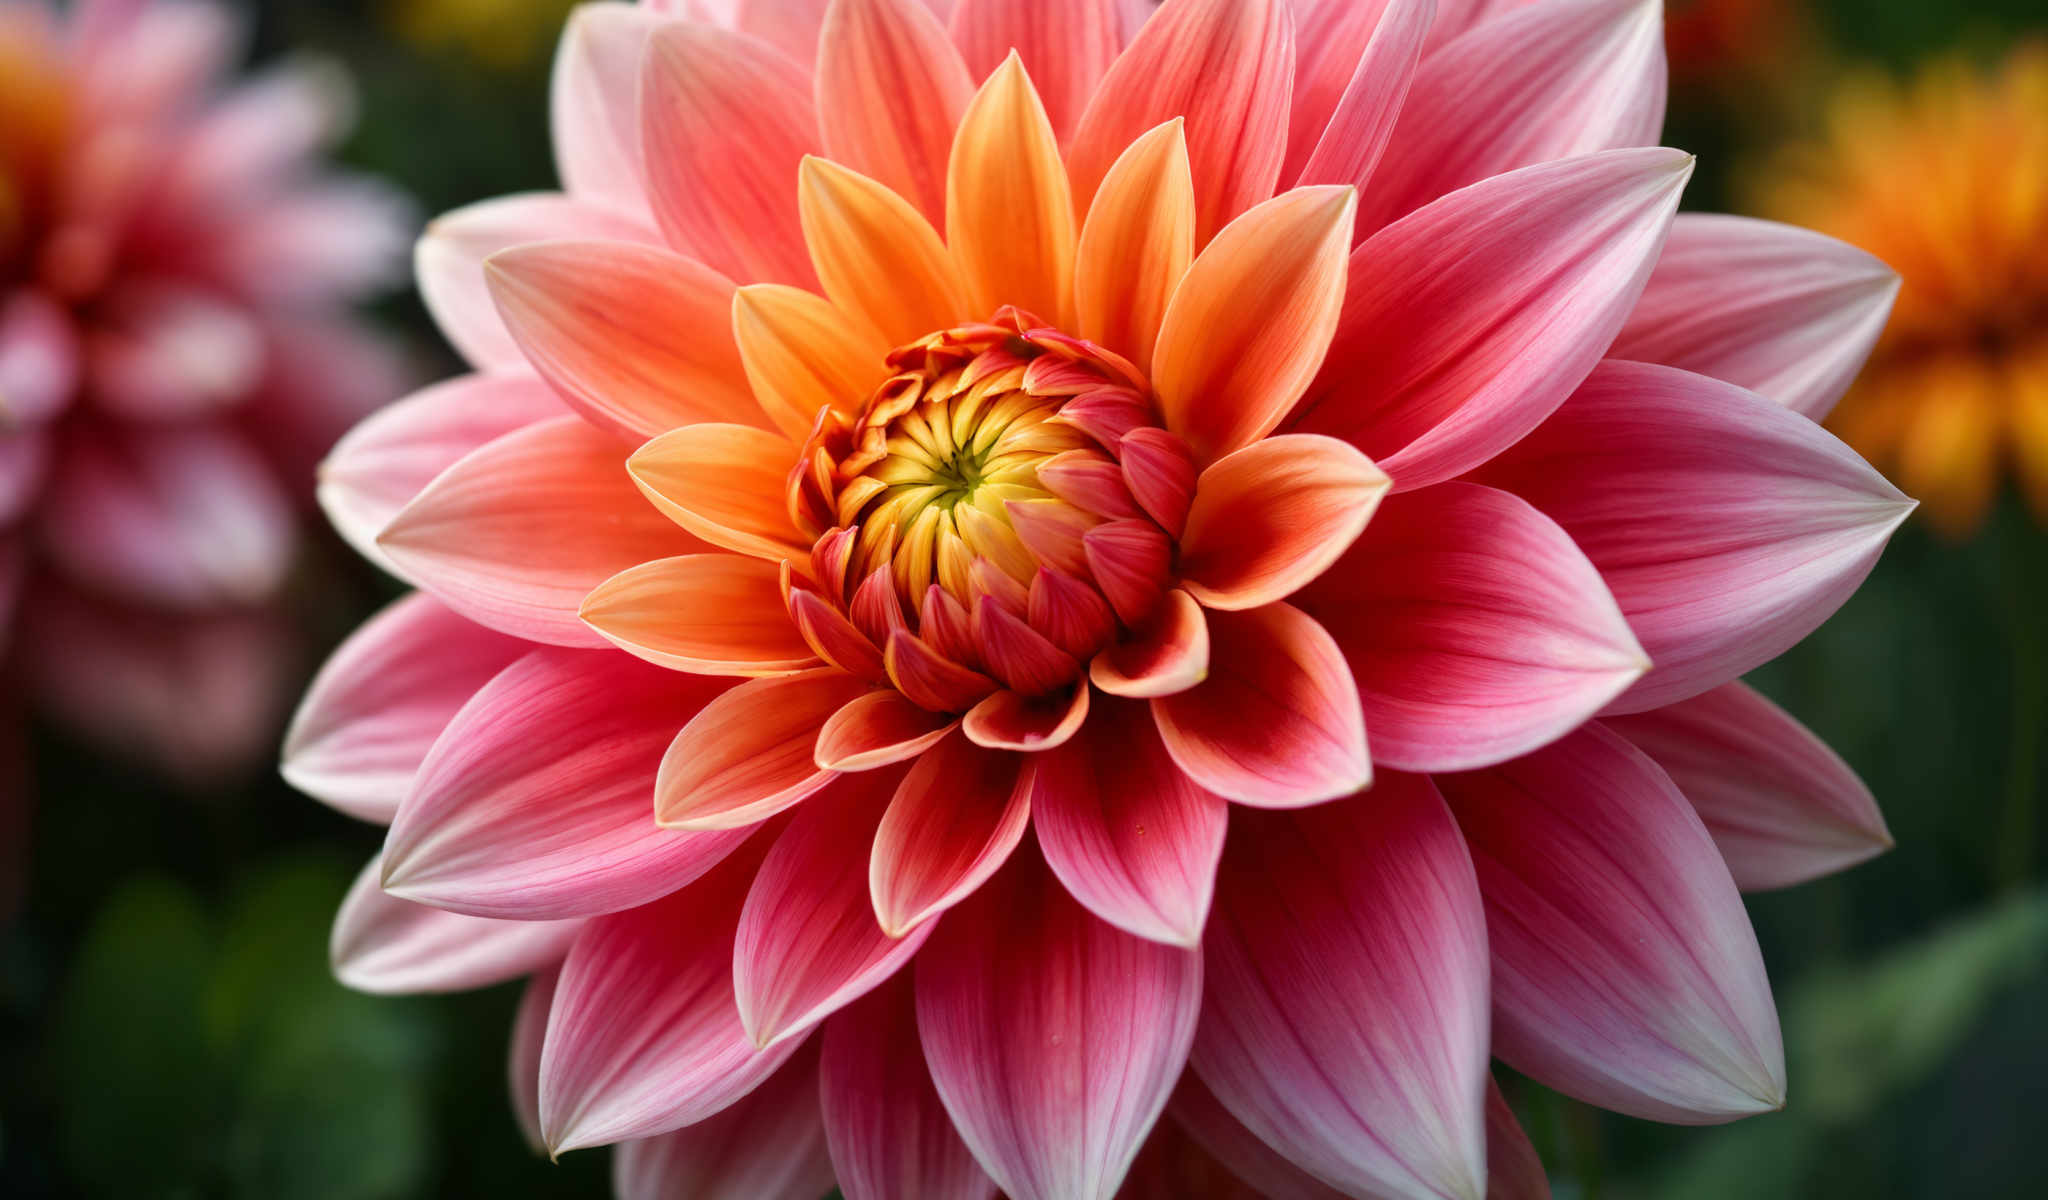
{"type": "Point", "coordinates": [518, 818]}
{"type": "Point", "coordinates": [1131, 837]}
{"type": "Point", "coordinates": [522, 1058]}
{"type": "Point", "coordinates": [1785, 312]}
{"type": "Point", "coordinates": [1476, 629]}
{"type": "Point", "coordinates": [1170, 654]}
{"type": "Point", "coordinates": [1227, 67]}
{"type": "Point", "coordinates": [1624, 969]}
{"type": "Point", "coordinates": [803, 355]}
{"type": "Point", "coordinates": [1249, 324]}
{"type": "Point", "coordinates": [1009, 216]}
{"type": "Point", "coordinates": [1054, 1039]}
{"type": "Point", "coordinates": [880, 261]}
{"type": "Point", "coordinates": [593, 101]}
{"type": "Point", "coordinates": [1357, 62]}
{"type": "Point", "coordinates": [723, 483]}
{"type": "Point", "coordinates": [1277, 723]}
{"type": "Point", "coordinates": [768, 1145]}
{"type": "Point", "coordinates": [878, 728]}
{"type": "Point", "coordinates": [808, 941]}
{"type": "Point", "coordinates": [636, 338]}
{"type": "Point", "coordinates": [1344, 1021]}
{"type": "Point", "coordinates": [1764, 523]}
{"type": "Point", "coordinates": [1513, 1171]}
{"type": "Point", "coordinates": [517, 532]}
{"type": "Point", "coordinates": [714, 614]}
{"type": "Point", "coordinates": [1067, 45]}
{"type": "Point", "coordinates": [1136, 244]}
{"type": "Point", "coordinates": [953, 821]}
{"type": "Point", "coordinates": [1271, 517]}
{"type": "Point", "coordinates": [717, 105]}
{"type": "Point", "coordinates": [383, 698]}
{"type": "Point", "coordinates": [380, 465]}
{"type": "Point", "coordinates": [390, 946]}
{"type": "Point", "coordinates": [891, 89]}
{"type": "Point", "coordinates": [1470, 320]}
{"type": "Point", "coordinates": [449, 261]}
{"type": "Point", "coordinates": [645, 1036]}
{"type": "Point", "coordinates": [1543, 82]}
{"type": "Point", "coordinates": [889, 1133]}
{"type": "Point", "coordinates": [748, 754]}
{"type": "Point", "coordinates": [1783, 808]}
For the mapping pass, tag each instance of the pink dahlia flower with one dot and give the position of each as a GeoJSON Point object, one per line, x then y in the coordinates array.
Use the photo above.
{"type": "Point", "coordinates": [1235, 632]}
{"type": "Point", "coordinates": [175, 355]}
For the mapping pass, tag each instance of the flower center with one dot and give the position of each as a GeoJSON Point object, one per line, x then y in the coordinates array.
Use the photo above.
{"type": "Point", "coordinates": [985, 503]}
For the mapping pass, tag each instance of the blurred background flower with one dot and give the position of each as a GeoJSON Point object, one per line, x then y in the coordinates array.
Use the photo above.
{"type": "Point", "coordinates": [1911, 988]}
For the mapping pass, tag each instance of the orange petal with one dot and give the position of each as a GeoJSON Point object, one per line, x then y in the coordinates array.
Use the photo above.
{"type": "Point", "coordinates": [718, 105]}
{"type": "Point", "coordinates": [1249, 325]}
{"type": "Point", "coordinates": [891, 88]}
{"type": "Point", "coordinates": [1067, 45]}
{"type": "Point", "coordinates": [724, 483]}
{"type": "Point", "coordinates": [1228, 67]}
{"type": "Point", "coordinates": [878, 259]}
{"type": "Point", "coordinates": [637, 338]}
{"type": "Point", "coordinates": [748, 754]}
{"type": "Point", "coordinates": [1136, 244]}
{"type": "Point", "coordinates": [712, 614]}
{"type": "Point", "coordinates": [803, 355]}
{"type": "Point", "coordinates": [1170, 654]}
{"type": "Point", "coordinates": [878, 728]}
{"type": "Point", "coordinates": [1273, 516]}
{"type": "Point", "coordinates": [1009, 217]}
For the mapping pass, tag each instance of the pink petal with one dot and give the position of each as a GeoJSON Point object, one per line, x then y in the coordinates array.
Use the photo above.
{"type": "Point", "coordinates": [1344, 1021]}
{"type": "Point", "coordinates": [1763, 523]}
{"type": "Point", "coordinates": [953, 821]}
{"type": "Point", "coordinates": [876, 729]}
{"type": "Point", "coordinates": [39, 358]}
{"type": "Point", "coordinates": [751, 752]}
{"type": "Point", "coordinates": [645, 1036]}
{"type": "Point", "coordinates": [1195, 1109]}
{"type": "Point", "coordinates": [1226, 67]}
{"type": "Point", "coordinates": [380, 465]}
{"type": "Point", "coordinates": [1357, 64]}
{"type": "Point", "coordinates": [1785, 312]}
{"type": "Point", "coordinates": [790, 25]}
{"type": "Point", "coordinates": [522, 1059]}
{"type": "Point", "coordinates": [890, 1135]}
{"type": "Point", "coordinates": [533, 805]}
{"type": "Point", "coordinates": [449, 261]}
{"type": "Point", "coordinates": [519, 531]}
{"type": "Point", "coordinates": [1513, 1171]}
{"type": "Point", "coordinates": [1544, 82]}
{"type": "Point", "coordinates": [1476, 630]}
{"type": "Point", "coordinates": [1066, 46]}
{"type": "Point", "coordinates": [1169, 654]}
{"type": "Point", "coordinates": [769, 1145]}
{"type": "Point", "coordinates": [1053, 1039]}
{"type": "Point", "coordinates": [890, 91]}
{"type": "Point", "coordinates": [808, 941]}
{"type": "Point", "coordinates": [718, 105]}
{"type": "Point", "coordinates": [1624, 969]}
{"type": "Point", "coordinates": [1469, 321]}
{"type": "Point", "coordinates": [636, 338]}
{"type": "Point", "coordinates": [382, 700]}
{"type": "Point", "coordinates": [594, 103]}
{"type": "Point", "coordinates": [1782, 807]}
{"type": "Point", "coordinates": [1271, 517]}
{"type": "Point", "coordinates": [390, 946]}
{"type": "Point", "coordinates": [188, 517]}
{"type": "Point", "coordinates": [1131, 837]}
{"type": "Point", "coordinates": [1277, 722]}
{"type": "Point", "coordinates": [172, 353]}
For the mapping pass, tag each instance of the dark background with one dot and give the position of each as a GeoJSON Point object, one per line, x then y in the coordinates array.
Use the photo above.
{"type": "Point", "coordinates": [168, 1026]}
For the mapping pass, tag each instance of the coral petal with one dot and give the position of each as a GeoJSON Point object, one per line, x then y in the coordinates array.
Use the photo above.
{"type": "Point", "coordinates": [1271, 517]}
{"type": "Point", "coordinates": [724, 483]}
{"type": "Point", "coordinates": [1007, 721]}
{"type": "Point", "coordinates": [1169, 654]}
{"type": "Point", "coordinates": [714, 614]}
{"type": "Point", "coordinates": [1009, 216]}
{"type": "Point", "coordinates": [1067, 45]}
{"type": "Point", "coordinates": [891, 88]}
{"type": "Point", "coordinates": [953, 822]}
{"type": "Point", "coordinates": [751, 752]}
{"type": "Point", "coordinates": [876, 729]}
